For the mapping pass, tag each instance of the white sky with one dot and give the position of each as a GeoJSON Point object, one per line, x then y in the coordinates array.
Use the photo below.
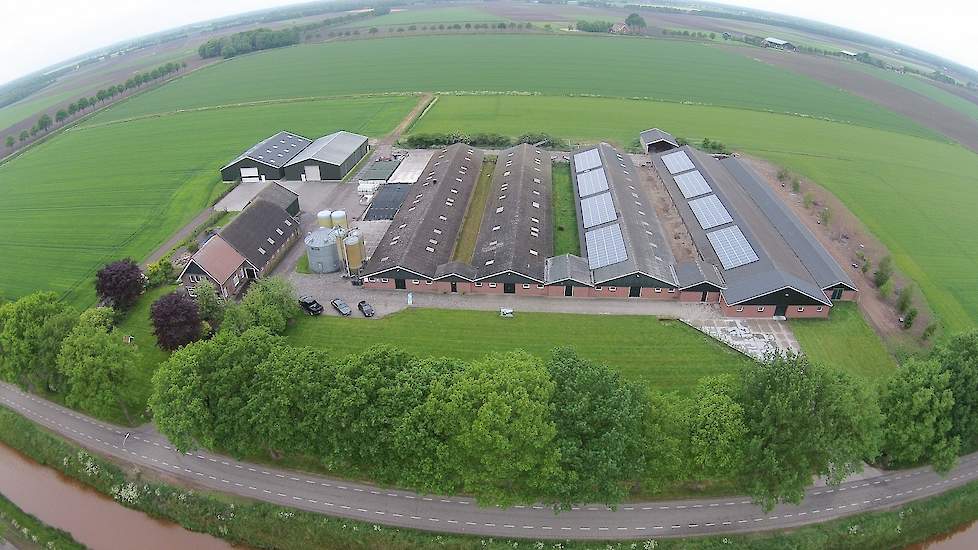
{"type": "Point", "coordinates": [39, 33]}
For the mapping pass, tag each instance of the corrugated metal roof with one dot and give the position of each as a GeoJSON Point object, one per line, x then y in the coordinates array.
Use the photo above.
{"type": "Point", "coordinates": [411, 167]}
{"type": "Point", "coordinates": [655, 135]}
{"type": "Point", "coordinates": [332, 149]}
{"type": "Point", "coordinates": [276, 150]}
{"type": "Point", "coordinates": [567, 267]}
{"type": "Point", "coordinates": [379, 170]}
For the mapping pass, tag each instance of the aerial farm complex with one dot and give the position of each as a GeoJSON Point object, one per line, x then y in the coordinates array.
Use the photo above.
{"type": "Point", "coordinates": [673, 223]}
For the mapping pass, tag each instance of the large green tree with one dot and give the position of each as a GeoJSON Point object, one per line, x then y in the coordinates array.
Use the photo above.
{"type": "Point", "coordinates": [31, 332]}
{"type": "Point", "coordinates": [717, 430]}
{"type": "Point", "coordinates": [803, 420]}
{"type": "Point", "coordinates": [959, 357]}
{"type": "Point", "coordinates": [599, 436]}
{"type": "Point", "coordinates": [97, 365]}
{"type": "Point", "coordinates": [918, 403]}
{"type": "Point", "coordinates": [270, 303]}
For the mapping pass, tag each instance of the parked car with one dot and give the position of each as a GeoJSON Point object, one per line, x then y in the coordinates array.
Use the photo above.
{"type": "Point", "coordinates": [366, 309]}
{"type": "Point", "coordinates": [310, 305]}
{"type": "Point", "coordinates": [341, 307]}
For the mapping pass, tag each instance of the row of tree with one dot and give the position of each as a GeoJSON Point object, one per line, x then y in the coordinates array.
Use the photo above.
{"type": "Point", "coordinates": [491, 140]}
{"type": "Point", "coordinates": [248, 41]}
{"type": "Point", "coordinates": [594, 26]}
{"type": "Point", "coordinates": [45, 122]}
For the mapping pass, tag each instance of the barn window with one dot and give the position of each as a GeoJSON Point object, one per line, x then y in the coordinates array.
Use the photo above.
{"type": "Point", "coordinates": [819, 308]}
{"type": "Point", "coordinates": [801, 310]}
{"type": "Point", "coordinates": [760, 309]}
{"type": "Point", "coordinates": [740, 309]}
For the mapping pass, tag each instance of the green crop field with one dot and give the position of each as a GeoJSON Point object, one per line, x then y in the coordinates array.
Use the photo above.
{"type": "Point", "coordinates": [439, 15]}
{"type": "Point", "coordinates": [667, 355]}
{"type": "Point", "coordinates": [12, 114]}
{"type": "Point", "coordinates": [917, 195]}
{"type": "Point", "coordinates": [845, 341]}
{"type": "Point", "coordinates": [97, 193]}
{"type": "Point", "coordinates": [921, 85]}
{"type": "Point", "coordinates": [615, 66]}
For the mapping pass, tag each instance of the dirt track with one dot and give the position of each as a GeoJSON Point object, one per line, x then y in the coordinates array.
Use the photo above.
{"type": "Point", "coordinates": [918, 108]}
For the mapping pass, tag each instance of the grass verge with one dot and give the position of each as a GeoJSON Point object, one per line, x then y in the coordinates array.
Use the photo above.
{"type": "Point", "coordinates": [566, 238]}
{"type": "Point", "coordinates": [469, 234]}
{"type": "Point", "coordinates": [845, 340]}
{"type": "Point", "coordinates": [262, 525]}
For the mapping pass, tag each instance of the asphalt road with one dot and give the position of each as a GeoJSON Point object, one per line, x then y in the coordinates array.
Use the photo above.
{"type": "Point", "coordinates": [149, 450]}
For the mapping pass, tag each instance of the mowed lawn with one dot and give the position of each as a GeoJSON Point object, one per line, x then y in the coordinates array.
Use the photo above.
{"type": "Point", "coordinates": [919, 196]}
{"type": "Point", "coordinates": [845, 341]}
{"type": "Point", "coordinates": [666, 355]}
{"type": "Point", "coordinates": [94, 194]}
{"type": "Point", "coordinates": [556, 65]}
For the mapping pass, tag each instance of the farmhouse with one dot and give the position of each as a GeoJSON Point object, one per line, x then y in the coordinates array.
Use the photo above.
{"type": "Point", "coordinates": [265, 160]}
{"type": "Point", "coordinates": [292, 157]}
{"type": "Point", "coordinates": [246, 249]}
{"type": "Point", "coordinates": [771, 42]}
{"type": "Point", "coordinates": [328, 158]}
{"type": "Point", "coordinates": [766, 262]}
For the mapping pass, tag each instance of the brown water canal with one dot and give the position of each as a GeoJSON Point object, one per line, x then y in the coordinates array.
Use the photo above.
{"type": "Point", "coordinates": [94, 519]}
{"type": "Point", "coordinates": [964, 538]}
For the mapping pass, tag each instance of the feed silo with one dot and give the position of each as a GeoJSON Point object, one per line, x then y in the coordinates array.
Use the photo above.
{"type": "Point", "coordinates": [353, 244]}
{"type": "Point", "coordinates": [322, 251]}
{"type": "Point", "coordinates": [325, 218]}
{"type": "Point", "coordinates": [339, 219]}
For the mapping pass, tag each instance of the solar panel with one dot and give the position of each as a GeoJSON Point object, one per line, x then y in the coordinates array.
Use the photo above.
{"type": "Point", "coordinates": [586, 160]}
{"type": "Point", "coordinates": [732, 247]}
{"type": "Point", "coordinates": [709, 211]}
{"type": "Point", "coordinates": [677, 162]}
{"type": "Point", "coordinates": [605, 246]}
{"type": "Point", "coordinates": [597, 210]}
{"type": "Point", "coordinates": [692, 184]}
{"type": "Point", "coordinates": [591, 182]}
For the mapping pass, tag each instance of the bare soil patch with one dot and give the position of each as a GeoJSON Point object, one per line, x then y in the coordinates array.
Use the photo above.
{"type": "Point", "coordinates": [675, 230]}
{"type": "Point", "coordinates": [918, 108]}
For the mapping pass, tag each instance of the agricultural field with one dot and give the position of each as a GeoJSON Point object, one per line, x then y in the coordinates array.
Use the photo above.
{"type": "Point", "coordinates": [432, 15]}
{"type": "Point", "coordinates": [101, 192]}
{"type": "Point", "coordinates": [845, 341]}
{"type": "Point", "coordinates": [887, 179]}
{"type": "Point", "coordinates": [921, 86]}
{"type": "Point", "coordinates": [667, 355]}
{"type": "Point", "coordinates": [12, 114]}
{"type": "Point", "coordinates": [658, 69]}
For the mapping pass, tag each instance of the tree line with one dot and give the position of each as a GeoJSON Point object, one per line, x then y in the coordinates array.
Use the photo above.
{"type": "Point", "coordinates": [507, 428]}
{"type": "Point", "coordinates": [594, 26]}
{"type": "Point", "coordinates": [491, 140]}
{"type": "Point", "coordinates": [248, 41]}
{"type": "Point", "coordinates": [44, 122]}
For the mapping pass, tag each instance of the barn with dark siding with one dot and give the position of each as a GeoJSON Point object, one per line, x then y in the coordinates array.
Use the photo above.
{"type": "Point", "coordinates": [328, 158]}
{"type": "Point", "coordinates": [265, 160]}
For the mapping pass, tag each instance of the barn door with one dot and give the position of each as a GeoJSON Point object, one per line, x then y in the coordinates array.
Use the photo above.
{"type": "Point", "coordinates": [312, 173]}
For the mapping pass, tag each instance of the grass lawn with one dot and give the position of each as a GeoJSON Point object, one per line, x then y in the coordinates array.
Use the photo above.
{"type": "Point", "coordinates": [666, 355]}
{"type": "Point", "coordinates": [916, 195]}
{"type": "Point", "coordinates": [845, 341]}
{"type": "Point", "coordinates": [438, 15]}
{"type": "Point", "coordinates": [566, 239]}
{"type": "Point", "coordinates": [138, 325]}
{"type": "Point", "coordinates": [469, 234]}
{"type": "Point", "coordinates": [97, 193]}
{"type": "Point", "coordinates": [670, 70]}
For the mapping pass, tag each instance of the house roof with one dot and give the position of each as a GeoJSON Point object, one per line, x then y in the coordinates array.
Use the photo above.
{"type": "Point", "coordinates": [278, 195]}
{"type": "Point", "coordinates": [767, 262]}
{"type": "Point", "coordinates": [274, 151]}
{"type": "Point", "coordinates": [654, 135]}
{"type": "Point", "coordinates": [260, 231]}
{"type": "Point", "coordinates": [433, 210]}
{"type": "Point", "coordinates": [332, 149]}
{"type": "Point", "coordinates": [643, 246]}
{"type": "Point", "coordinates": [218, 258]}
{"type": "Point", "coordinates": [516, 234]}
{"type": "Point", "coordinates": [777, 41]}
{"type": "Point", "coordinates": [567, 267]}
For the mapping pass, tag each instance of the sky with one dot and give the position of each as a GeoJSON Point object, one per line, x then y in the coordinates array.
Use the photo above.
{"type": "Point", "coordinates": [40, 33]}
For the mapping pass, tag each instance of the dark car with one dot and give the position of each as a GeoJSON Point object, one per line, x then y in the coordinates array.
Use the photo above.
{"type": "Point", "coordinates": [310, 305]}
{"type": "Point", "coordinates": [366, 309]}
{"type": "Point", "coordinates": [341, 307]}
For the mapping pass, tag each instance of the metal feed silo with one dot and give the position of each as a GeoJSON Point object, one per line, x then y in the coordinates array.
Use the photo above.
{"type": "Point", "coordinates": [354, 252]}
{"type": "Point", "coordinates": [325, 218]}
{"type": "Point", "coordinates": [339, 219]}
{"type": "Point", "coordinates": [322, 251]}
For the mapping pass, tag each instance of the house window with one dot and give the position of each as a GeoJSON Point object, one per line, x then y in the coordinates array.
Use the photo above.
{"type": "Point", "coordinates": [526, 286]}
{"type": "Point", "coordinates": [236, 280]}
{"type": "Point", "coordinates": [612, 289]}
{"type": "Point", "coordinates": [740, 309]}
{"type": "Point", "coordinates": [819, 308]}
{"type": "Point", "coordinates": [760, 309]}
{"type": "Point", "coordinates": [478, 284]}
{"type": "Point", "coordinates": [492, 285]}
{"type": "Point", "coordinates": [658, 290]}
{"type": "Point", "coordinates": [194, 278]}
{"type": "Point", "coordinates": [801, 310]}
{"type": "Point", "coordinates": [415, 282]}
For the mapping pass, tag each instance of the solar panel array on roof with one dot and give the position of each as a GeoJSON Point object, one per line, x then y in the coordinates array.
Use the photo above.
{"type": "Point", "coordinates": [677, 162]}
{"type": "Point", "coordinates": [597, 210]}
{"type": "Point", "coordinates": [589, 183]}
{"type": "Point", "coordinates": [586, 160]}
{"type": "Point", "coordinates": [278, 149]}
{"type": "Point", "coordinates": [710, 212]}
{"type": "Point", "coordinates": [732, 247]}
{"type": "Point", "coordinates": [692, 184]}
{"type": "Point", "coordinates": [605, 246]}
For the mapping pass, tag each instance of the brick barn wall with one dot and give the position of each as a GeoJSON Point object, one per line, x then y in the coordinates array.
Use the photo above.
{"type": "Point", "coordinates": [663, 294]}
{"type": "Point", "coordinates": [810, 312]}
{"type": "Point", "coordinates": [711, 297]}
{"type": "Point", "coordinates": [748, 312]}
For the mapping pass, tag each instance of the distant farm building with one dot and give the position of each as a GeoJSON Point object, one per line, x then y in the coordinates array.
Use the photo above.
{"type": "Point", "coordinates": [848, 54]}
{"type": "Point", "coordinates": [244, 250]}
{"type": "Point", "coordinates": [657, 141]}
{"type": "Point", "coordinates": [292, 157]}
{"type": "Point", "coordinates": [777, 43]}
{"type": "Point", "coordinates": [620, 28]}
